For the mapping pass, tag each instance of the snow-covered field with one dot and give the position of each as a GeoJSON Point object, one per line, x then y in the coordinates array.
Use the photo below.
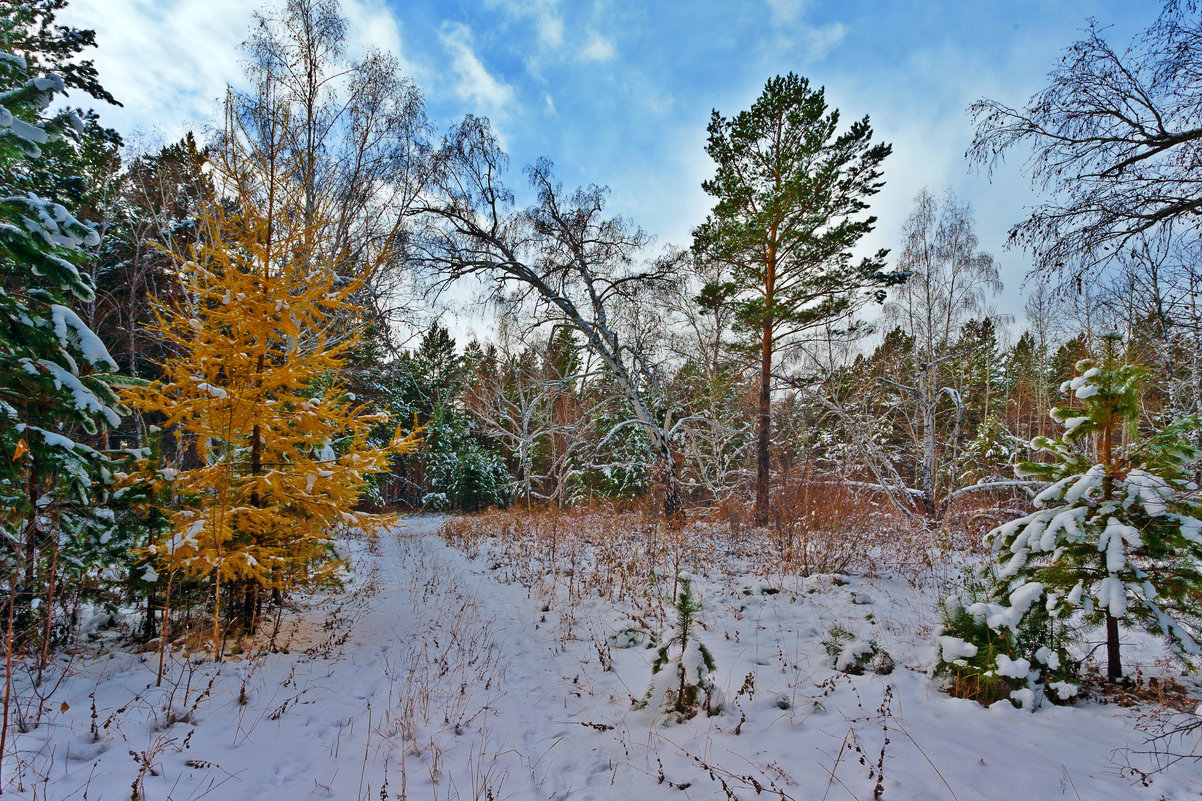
{"type": "Point", "coordinates": [446, 673]}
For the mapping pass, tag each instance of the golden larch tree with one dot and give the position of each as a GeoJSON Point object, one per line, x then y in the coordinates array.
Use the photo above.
{"type": "Point", "coordinates": [281, 450]}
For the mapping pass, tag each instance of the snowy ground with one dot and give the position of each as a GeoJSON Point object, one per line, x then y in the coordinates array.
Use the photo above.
{"type": "Point", "coordinates": [440, 676]}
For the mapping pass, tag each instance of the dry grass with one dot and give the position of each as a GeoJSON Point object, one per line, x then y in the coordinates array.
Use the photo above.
{"type": "Point", "coordinates": [564, 555]}
{"type": "Point", "coordinates": [816, 528]}
{"type": "Point", "coordinates": [824, 527]}
{"type": "Point", "coordinates": [970, 684]}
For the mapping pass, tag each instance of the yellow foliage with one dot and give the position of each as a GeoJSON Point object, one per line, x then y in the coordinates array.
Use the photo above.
{"type": "Point", "coordinates": [280, 450]}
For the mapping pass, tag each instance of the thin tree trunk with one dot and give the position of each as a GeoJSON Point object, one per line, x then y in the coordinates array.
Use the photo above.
{"type": "Point", "coordinates": [44, 657]}
{"type": "Point", "coordinates": [763, 463]}
{"type": "Point", "coordinates": [1114, 668]}
{"type": "Point", "coordinates": [149, 627]}
{"type": "Point", "coordinates": [22, 591]}
{"type": "Point", "coordinates": [250, 607]}
{"type": "Point", "coordinates": [165, 632]}
{"type": "Point", "coordinates": [247, 620]}
{"type": "Point", "coordinates": [149, 624]}
{"type": "Point", "coordinates": [217, 649]}
{"type": "Point", "coordinates": [926, 406]}
{"type": "Point", "coordinates": [1196, 321]}
{"type": "Point", "coordinates": [8, 678]}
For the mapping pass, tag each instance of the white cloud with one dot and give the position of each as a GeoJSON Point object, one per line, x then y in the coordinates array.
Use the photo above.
{"type": "Point", "coordinates": [550, 29]}
{"type": "Point", "coordinates": [597, 48]}
{"type": "Point", "coordinates": [930, 130]}
{"type": "Point", "coordinates": [822, 39]}
{"type": "Point", "coordinates": [475, 82]}
{"type": "Point", "coordinates": [372, 25]}
{"type": "Point", "coordinates": [792, 29]}
{"type": "Point", "coordinates": [169, 61]}
{"type": "Point", "coordinates": [545, 14]}
{"type": "Point", "coordinates": [786, 12]}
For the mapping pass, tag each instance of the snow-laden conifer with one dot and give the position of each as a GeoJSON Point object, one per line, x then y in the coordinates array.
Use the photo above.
{"type": "Point", "coordinates": [55, 373]}
{"type": "Point", "coordinates": [681, 682]}
{"type": "Point", "coordinates": [1116, 537]}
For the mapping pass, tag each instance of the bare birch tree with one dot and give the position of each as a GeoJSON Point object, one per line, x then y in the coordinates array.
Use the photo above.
{"type": "Point", "coordinates": [1115, 142]}
{"type": "Point", "coordinates": [355, 127]}
{"type": "Point", "coordinates": [950, 281]}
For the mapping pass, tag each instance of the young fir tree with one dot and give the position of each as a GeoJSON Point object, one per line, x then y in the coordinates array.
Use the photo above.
{"type": "Point", "coordinates": [790, 194]}
{"type": "Point", "coordinates": [987, 454]}
{"type": "Point", "coordinates": [55, 374]}
{"type": "Point", "coordinates": [1117, 537]}
{"type": "Point", "coordinates": [682, 683]}
{"type": "Point", "coordinates": [255, 389]}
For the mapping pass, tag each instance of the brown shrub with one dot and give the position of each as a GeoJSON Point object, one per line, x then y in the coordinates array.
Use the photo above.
{"type": "Point", "coordinates": [823, 526]}
{"type": "Point", "coordinates": [735, 513]}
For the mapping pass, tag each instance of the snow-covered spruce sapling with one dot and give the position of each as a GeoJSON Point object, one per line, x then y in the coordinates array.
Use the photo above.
{"type": "Point", "coordinates": [681, 682]}
{"type": "Point", "coordinates": [1020, 664]}
{"type": "Point", "coordinates": [1116, 538]}
{"type": "Point", "coordinates": [848, 653]}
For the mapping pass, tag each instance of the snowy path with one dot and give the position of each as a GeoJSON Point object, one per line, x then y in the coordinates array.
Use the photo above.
{"type": "Point", "coordinates": [430, 679]}
{"type": "Point", "coordinates": [445, 686]}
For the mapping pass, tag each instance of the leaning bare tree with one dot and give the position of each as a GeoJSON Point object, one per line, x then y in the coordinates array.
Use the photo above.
{"type": "Point", "coordinates": [1115, 141]}
{"type": "Point", "coordinates": [562, 254]}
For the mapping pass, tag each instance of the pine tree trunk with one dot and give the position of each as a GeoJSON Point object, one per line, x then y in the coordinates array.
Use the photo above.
{"type": "Point", "coordinates": [246, 609]}
{"type": "Point", "coordinates": [26, 558]}
{"type": "Point", "coordinates": [8, 673]}
{"type": "Point", "coordinates": [47, 628]}
{"type": "Point", "coordinates": [158, 682]}
{"type": "Point", "coordinates": [763, 466]}
{"type": "Point", "coordinates": [217, 648]}
{"type": "Point", "coordinates": [250, 607]}
{"type": "Point", "coordinates": [149, 624]}
{"type": "Point", "coordinates": [1114, 668]}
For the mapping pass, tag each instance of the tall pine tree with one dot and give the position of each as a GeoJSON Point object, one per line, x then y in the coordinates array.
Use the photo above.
{"type": "Point", "coordinates": [790, 194]}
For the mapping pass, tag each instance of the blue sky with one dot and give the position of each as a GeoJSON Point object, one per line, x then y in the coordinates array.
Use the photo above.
{"type": "Point", "coordinates": [620, 93]}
